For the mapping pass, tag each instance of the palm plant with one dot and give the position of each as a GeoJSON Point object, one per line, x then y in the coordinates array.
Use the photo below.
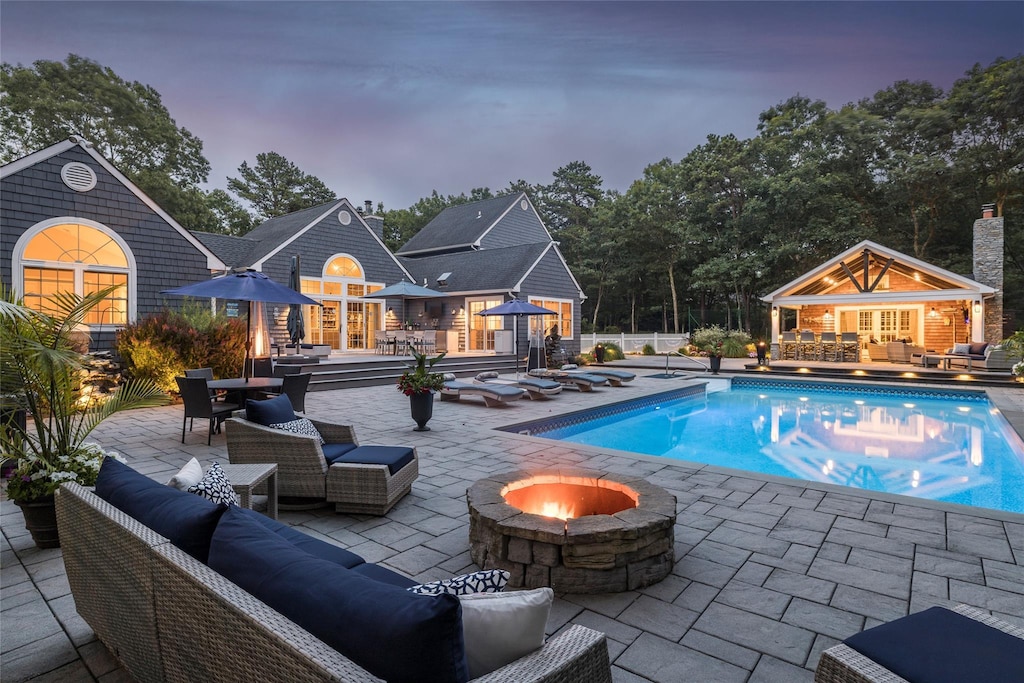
{"type": "Point", "coordinates": [40, 374]}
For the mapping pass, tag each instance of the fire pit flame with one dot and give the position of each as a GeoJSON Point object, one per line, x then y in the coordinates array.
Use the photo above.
{"type": "Point", "coordinates": [556, 509]}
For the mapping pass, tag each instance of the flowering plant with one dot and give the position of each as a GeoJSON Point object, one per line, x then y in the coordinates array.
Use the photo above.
{"type": "Point", "coordinates": [47, 415]}
{"type": "Point", "coordinates": [34, 479]}
{"type": "Point", "coordinates": [419, 380]}
{"type": "Point", "coordinates": [1018, 368]}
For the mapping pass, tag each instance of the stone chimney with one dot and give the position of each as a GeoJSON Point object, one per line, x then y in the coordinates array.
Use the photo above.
{"type": "Point", "coordinates": [988, 268]}
{"type": "Point", "coordinates": [367, 207]}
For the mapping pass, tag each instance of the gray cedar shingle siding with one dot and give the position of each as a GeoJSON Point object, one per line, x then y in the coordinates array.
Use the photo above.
{"type": "Point", "coordinates": [551, 279]}
{"type": "Point", "coordinates": [164, 258]}
{"type": "Point", "coordinates": [518, 226]}
{"type": "Point", "coordinates": [475, 271]}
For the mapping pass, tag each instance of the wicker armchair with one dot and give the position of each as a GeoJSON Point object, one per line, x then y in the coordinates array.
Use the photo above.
{"type": "Point", "coordinates": [303, 471]}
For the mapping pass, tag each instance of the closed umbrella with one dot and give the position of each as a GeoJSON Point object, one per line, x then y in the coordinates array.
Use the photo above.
{"type": "Point", "coordinates": [248, 286]}
{"type": "Point", "coordinates": [407, 290]}
{"type": "Point", "coordinates": [517, 308]}
{"type": "Point", "coordinates": [296, 325]}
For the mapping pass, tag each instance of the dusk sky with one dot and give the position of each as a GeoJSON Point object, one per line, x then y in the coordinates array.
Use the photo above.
{"type": "Point", "coordinates": [388, 101]}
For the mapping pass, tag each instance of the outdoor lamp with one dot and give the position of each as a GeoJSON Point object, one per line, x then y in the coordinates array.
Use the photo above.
{"type": "Point", "coordinates": [977, 307]}
{"type": "Point", "coordinates": [775, 312]}
{"type": "Point", "coordinates": [933, 313]}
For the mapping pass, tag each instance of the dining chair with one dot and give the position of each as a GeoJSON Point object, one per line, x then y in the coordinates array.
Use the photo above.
{"type": "Point", "coordinates": [380, 342]}
{"type": "Point", "coordinates": [195, 395]}
{"type": "Point", "coordinates": [207, 374]}
{"type": "Point", "coordinates": [295, 386]}
{"type": "Point", "coordinates": [401, 342]}
{"type": "Point", "coordinates": [262, 367]}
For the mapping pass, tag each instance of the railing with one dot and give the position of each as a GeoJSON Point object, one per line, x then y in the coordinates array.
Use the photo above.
{"type": "Point", "coordinates": [707, 368]}
{"type": "Point", "coordinates": [634, 343]}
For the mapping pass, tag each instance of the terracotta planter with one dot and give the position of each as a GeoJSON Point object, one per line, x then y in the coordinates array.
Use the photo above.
{"type": "Point", "coordinates": [41, 521]}
{"type": "Point", "coordinates": [422, 407]}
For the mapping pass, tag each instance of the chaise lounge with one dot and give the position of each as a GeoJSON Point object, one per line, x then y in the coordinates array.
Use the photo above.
{"type": "Point", "coordinates": [615, 377]}
{"type": "Point", "coordinates": [493, 394]}
{"type": "Point", "coordinates": [535, 388]}
{"type": "Point", "coordinates": [582, 381]}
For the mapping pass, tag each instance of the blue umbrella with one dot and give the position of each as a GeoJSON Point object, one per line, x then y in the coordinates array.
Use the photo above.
{"type": "Point", "coordinates": [407, 290]}
{"type": "Point", "coordinates": [517, 308]}
{"type": "Point", "coordinates": [246, 285]}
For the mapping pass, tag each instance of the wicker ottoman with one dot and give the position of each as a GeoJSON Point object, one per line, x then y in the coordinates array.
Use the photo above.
{"type": "Point", "coordinates": [372, 487]}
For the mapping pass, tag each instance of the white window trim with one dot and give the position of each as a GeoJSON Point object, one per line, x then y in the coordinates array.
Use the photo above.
{"type": "Point", "coordinates": [538, 301]}
{"type": "Point", "coordinates": [19, 263]}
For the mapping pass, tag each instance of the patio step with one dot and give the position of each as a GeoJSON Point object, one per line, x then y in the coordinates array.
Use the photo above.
{"type": "Point", "coordinates": [372, 372]}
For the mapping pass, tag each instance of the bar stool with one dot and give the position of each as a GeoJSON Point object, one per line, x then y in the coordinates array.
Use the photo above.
{"type": "Point", "coordinates": [788, 346]}
{"type": "Point", "coordinates": [828, 346]}
{"type": "Point", "coordinates": [807, 347]}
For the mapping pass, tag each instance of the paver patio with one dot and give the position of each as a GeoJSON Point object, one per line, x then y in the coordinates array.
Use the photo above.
{"type": "Point", "coordinates": [768, 573]}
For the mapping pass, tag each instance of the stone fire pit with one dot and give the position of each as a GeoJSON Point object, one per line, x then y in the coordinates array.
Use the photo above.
{"type": "Point", "coordinates": [620, 538]}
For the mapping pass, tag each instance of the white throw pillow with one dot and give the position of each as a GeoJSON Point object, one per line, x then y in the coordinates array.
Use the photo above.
{"type": "Point", "coordinates": [486, 581]}
{"type": "Point", "coordinates": [300, 426]}
{"type": "Point", "coordinates": [215, 486]}
{"type": "Point", "coordinates": [502, 627]}
{"type": "Point", "coordinates": [963, 349]}
{"type": "Point", "coordinates": [187, 476]}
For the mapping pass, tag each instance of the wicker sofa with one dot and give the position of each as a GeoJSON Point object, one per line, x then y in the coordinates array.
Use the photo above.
{"type": "Point", "coordinates": [980, 356]}
{"type": "Point", "coordinates": [899, 352]}
{"type": "Point", "coordinates": [166, 616]}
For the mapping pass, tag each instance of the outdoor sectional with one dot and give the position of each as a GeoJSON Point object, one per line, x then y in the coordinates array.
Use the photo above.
{"type": "Point", "coordinates": [166, 614]}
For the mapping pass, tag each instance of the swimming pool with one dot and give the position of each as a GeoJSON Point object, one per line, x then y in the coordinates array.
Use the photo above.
{"type": "Point", "coordinates": [951, 446]}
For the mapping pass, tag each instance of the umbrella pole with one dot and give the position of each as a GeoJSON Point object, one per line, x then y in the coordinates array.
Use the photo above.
{"type": "Point", "coordinates": [515, 345]}
{"type": "Point", "coordinates": [248, 342]}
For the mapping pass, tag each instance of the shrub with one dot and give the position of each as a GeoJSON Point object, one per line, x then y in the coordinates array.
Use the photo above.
{"type": "Point", "coordinates": [162, 346]}
{"type": "Point", "coordinates": [612, 351]}
{"type": "Point", "coordinates": [733, 343]}
{"type": "Point", "coordinates": [648, 350]}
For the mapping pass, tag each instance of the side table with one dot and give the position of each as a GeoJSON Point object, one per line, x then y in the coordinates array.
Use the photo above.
{"type": "Point", "coordinates": [245, 478]}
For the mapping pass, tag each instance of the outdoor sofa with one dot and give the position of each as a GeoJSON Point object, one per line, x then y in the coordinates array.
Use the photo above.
{"type": "Point", "coordinates": [357, 479]}
{"type": "Point", "coordinates": [181, 589]}
{"type": "Point", "coordinates": [979, 356]}
{"type": "Point", "coordinates": [900, 352]}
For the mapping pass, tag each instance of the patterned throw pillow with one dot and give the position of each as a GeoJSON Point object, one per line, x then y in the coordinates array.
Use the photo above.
{"type": "Point", "coordinates": [215, 486]}
{"type": "Point", "coordinates": [488, 581]}
{"type": "Point", "coordinates": [300, 426]}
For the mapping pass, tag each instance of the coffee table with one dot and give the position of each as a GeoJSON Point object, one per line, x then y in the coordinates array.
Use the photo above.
{"type": "Point", "coordinates": [245, 478]}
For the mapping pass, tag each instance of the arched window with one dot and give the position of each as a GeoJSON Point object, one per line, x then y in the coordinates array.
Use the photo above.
{"type": "Point", "coordinates": [71, 255]}
{"type": "Point", "coordinates": [343, 266]}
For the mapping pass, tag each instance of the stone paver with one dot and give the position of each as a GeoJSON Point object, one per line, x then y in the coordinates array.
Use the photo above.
{"type": "Point", "coordinates": [768, 572]}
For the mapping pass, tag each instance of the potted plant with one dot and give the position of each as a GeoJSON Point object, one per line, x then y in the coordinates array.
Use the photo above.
{"type": "Point", "coordinates": [419, 384]}
{"type": "Point", "coordinates": [47, 415]}
{"type": "Point", "coordinates": [710, 342]}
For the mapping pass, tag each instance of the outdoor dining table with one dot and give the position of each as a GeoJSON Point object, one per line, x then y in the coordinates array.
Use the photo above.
{"type": "Point", "coordinates": [246, 388]}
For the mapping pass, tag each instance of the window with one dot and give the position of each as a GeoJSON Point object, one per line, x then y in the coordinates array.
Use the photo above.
{"type": "Point", "coordinates": [343, 266]}
{"type": "Point", "coordinates": [563, 319]}
{"type": "Point", "coordinates": [77, 257]}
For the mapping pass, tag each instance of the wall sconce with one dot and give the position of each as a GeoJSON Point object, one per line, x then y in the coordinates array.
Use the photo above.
{"type": "Point", "coordinates": [827, 317]}
{"type": "Point", "coordinates": [933, 313]}
{"type": "Point", "coordinates": [390, 310]}
{"type": "Point", "coordinates": [977, 308]}
{"type": "Point", "coordinates": [775, 312]}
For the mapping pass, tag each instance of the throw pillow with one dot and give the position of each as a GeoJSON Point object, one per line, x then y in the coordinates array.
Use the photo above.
{"type": "Point", "coordinates": [301, 426]}
{"type": "Point", "coordinates": [502, 627]}
{"type": "Point", "coordinates": [487, 581]}
{"type": "Point", "coordinates": [961, 349]}
{"type": "Point", "coordinates": [215, 487]}
{"type": "Point", "coordinates": [271, 411]}
{"type": "Point", "coordinates": [189, 475]}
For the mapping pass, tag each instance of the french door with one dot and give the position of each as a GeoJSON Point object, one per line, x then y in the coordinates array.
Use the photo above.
{"type": "Point", "coordinates": [481, 328]}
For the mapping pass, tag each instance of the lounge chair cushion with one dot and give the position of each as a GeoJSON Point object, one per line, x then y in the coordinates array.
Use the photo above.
{"type": "Point", "coordinates": [941, 646]}
{"type": "Point", "coordinates": [333, 451]}
{"type": "Point", "coordinates": [383, 574]}
{"type": "Point", "coordinates": [184, 519]}
{"type": "Point", "coordinates": [500, 390]}
{"type": "Point", "coordinates": [305, 542]}
{"type": "Point", "coordinates": [395, 457]}
{"type": "Point", "coordinates": [538, 383]}
{"type": "Point", "coordinates": [393, 634]}
{"type": "Point", "coordinates": [275, 410]}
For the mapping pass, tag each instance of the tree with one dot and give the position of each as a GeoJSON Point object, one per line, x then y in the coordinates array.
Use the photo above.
{"type": "Point", "coordinates": [126, 121]}
{"type": "Point", "coordinates": [401, 224]}
{"type": "Point", "coordinates": [275, 187]}
{"type": "Point", "coordinates": [567, 204]}
{"type": "Point", "coordinates": [232, 218]}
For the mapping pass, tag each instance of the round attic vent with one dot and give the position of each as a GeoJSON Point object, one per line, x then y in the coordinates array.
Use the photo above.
{"type": "Point", "coordinates": [524, 205]}
{"type": "Point", "coordinates": [344, 217]}
{"type": "Point", "coordinates": [78, 176]}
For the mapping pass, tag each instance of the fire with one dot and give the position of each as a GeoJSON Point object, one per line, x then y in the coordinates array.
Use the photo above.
{"type": "Point", "coordinates": [557, 509]}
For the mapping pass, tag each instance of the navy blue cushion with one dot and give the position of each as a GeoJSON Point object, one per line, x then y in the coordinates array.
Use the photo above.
{"type": "Point", "coordinates": [185, 519]}
{"type": "Point", "coordinates": [313, 546]}
{"type": "Point", "coordinates": [271, 411]}
{"type": "Point", "coordinates": [395, 457]}
{"type": "Point", "coordinates": [390, 632]}
{"type": "Point", "coordinates": [941, 646]}
{"type": "Point", "coordinates": [383, 574]}
{"type": "Point", "coordinates": [333, 451]}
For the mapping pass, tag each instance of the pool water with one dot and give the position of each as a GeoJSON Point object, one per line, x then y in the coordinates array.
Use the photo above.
{"type": "Point", "coordinates": [946, 446]}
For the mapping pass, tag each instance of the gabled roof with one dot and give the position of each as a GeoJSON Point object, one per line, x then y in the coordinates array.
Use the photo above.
{"type": "Point", "coordinates": [460, 227]}
{"type": "Point", "coordinates": [854, 265]}
{"type": "Point", "coordinates": [487, 270]}
{"type": "Point", "coordinates": [212, 260]}
{"type": "Point", "coordinates": [232, 250]}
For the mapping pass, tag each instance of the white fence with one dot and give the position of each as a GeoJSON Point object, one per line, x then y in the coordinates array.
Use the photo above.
{"type": "Point", "coordinates": [634, 343]}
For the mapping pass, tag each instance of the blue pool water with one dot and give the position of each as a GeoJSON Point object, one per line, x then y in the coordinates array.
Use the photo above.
{"type": "Point", "coordinates": [939, 445]}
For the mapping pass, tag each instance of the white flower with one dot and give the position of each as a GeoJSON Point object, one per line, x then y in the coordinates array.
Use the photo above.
{"type": "Point", "coordinates": [1018, 368]}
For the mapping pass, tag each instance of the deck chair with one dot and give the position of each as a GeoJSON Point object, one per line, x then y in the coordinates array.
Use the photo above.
{"type": "Point", "coordinates": [195, 396]}
{"type": "Point", "coordinates": [535, 388]}
{"type": "Point", "coordinates": [582, 381]}
{"type": "Point", "coordinates": [615, 377]}
{"type": "Point", "coordinates": [494, 395]}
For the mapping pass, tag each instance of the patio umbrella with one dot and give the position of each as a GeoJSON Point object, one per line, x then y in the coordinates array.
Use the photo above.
{"type": "Point", "coordinates": [407, 290]}
{"type": "Point", "coordinates": [248, 286]}
{"type": "Point", "coordinates": [517, 308]}
{"type": "Point", "coordinates": [296, 326]}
